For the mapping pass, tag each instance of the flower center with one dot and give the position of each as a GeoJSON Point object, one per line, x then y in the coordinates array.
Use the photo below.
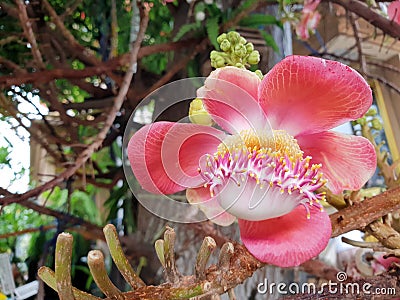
{"type": "Point", "coordinates": [261, 176]}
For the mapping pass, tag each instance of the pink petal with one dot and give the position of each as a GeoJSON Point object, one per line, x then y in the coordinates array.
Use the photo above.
{"type": "Point", "coordinates": [289, 240]}
{"type": "Point", "coordinates": [308, 23]}
{"type": "Point", "coordinates": [210, 206]}
{"type": "Point", "coordinates": [348, 161]}
{"type": "Point", "coordinates": [388, 261]}
{"type": "Point", "coordinates": [164, 156]}
{"type": "Point", "coordinates": [310, 5]}
{"type": "Point", "coordinates": [230, 97]}
{"type": "Point", "coordinates": [304, 95]}
{"type": "Point", "coordinates": [394, 11]}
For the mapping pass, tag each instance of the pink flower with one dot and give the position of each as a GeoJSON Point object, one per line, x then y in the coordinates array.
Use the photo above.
{"type": "Point", "coordinates": [394, 11]}
{"type": "Point", "coordinates": [309, 19]}
{"type": "Point", "coordinates": [308, 23]}
{"type": "Point", "coordinates": [265, 177]}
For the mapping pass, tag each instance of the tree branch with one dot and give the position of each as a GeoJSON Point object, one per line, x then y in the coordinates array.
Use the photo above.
{"type": "Point", "coordinates": [365, 212]}
{"type": "Point", "coordinates": [86, 154]}
{"type": "Point", "coordinates": [361, 9]}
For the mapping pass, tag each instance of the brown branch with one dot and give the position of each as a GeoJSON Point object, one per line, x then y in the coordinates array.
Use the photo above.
{"type": "Point", "coordinates": [9, 9]}
{"type": "Point", "coordinates": [361, 9]}
{"type": "Point", "coordinates": [388, 237]}
{"type": "Point", "coordinates": [27, 27]}
{"type": "Point", "coordinates": [25, 231]}
{"type": "Point", "coordinates": [242, 265]}
{"type": "Point", "coordinates": [86, 154]}
{"type": "Point", "coordinates": [100, 68]}
{"type": "Point", "coordinates": [172, 71]}
{"type": "Point", "coordinates": [70, 8]}
{"type": "Point", "coordinates": [361, 214]}
{"type": "Point", "coordinates": [390, 84]}
{"type": "Point", "coordinates": [9, 107]}
{"type": "Point", "coordinates": [361, 58]}
{"type": "Point", "coordinates": [67, 35]}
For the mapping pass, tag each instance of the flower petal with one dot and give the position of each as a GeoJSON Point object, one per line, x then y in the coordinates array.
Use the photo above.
{"type": "Point", "coordinates": [305, 95]}
{"type": "Point", "coordinates": [210, 206]}
{"type": "Point", "coordinates": [348, 161]}
{"type": "Point", "coordinates": [289, 240]}
{"type": "Point", "coordinates": [230, 97]}
{"type": "Point", "coordinates": [251, 202]}
{"type": "Point", "coordinates": [164, 156]}
{"type": "Point", "coordinates": [394, 11]}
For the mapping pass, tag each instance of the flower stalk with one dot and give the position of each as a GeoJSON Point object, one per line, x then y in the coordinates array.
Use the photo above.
{"type": "Point", "coordinates": [48, 276]}
{"type": "Point", "coordinates": [63, 266]}
{"type": "Point", "coordinates": [99, 273]}
{"type": "Point", "coordinates": [171, 271]}
{"type": "Point", "coordinates": [207, 247]}
{"type": "Point", "coordinates": [119, 258]}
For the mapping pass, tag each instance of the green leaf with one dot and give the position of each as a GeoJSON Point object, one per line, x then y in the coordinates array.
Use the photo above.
{"type": "Point", "coordinates": [270, 41]}
{"type": "Point", "coordinates": [4, 152]}
{"type": "Point", "coordinates": [256, 20]}
{"type": "Point", "coordinates": [212, 31]}
{"type": "Point", "coordinates": [84, 206]}
{"type": "Point", "coordinates": [185, 29]}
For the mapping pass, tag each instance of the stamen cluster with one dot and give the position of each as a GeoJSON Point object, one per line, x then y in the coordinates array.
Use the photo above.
{"type": "Point", "coordinates": [279, 167]}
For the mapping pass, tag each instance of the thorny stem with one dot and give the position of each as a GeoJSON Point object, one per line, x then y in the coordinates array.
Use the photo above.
{"type": "Point", "coordinates": [225, 256]}
{"type": "Point", "coordinates": [371, 245]}
{"type": "Point", "coordinates": [119, 257]}
{"type": "Point", "coordinates": [48, 276]}
{"type": "Point", "coordinates": [171, 271]}
{"type": "Point", "coordinates": [63, 266]}
{"type": "Point", "coordinates": [207, 247]}
{"type": "Point", "coordinates": [99, 273]}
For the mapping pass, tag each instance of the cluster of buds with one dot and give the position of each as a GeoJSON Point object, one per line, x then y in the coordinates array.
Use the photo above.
{"type": "Point", "coordinates": [371, 118]}
{"type": "Point", "coordinates": [236, 51]}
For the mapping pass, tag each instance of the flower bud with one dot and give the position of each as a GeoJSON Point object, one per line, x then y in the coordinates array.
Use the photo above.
{"type": "Point", "coordinates": [225, 45]}
{"type": "Point", "coordinates": [249, 48]}
{"type": "Point", "coordinates": [214, 54]}
{"type": "Point", "coordinates": [219, 62]}
{"type": "Point", "coordinates": [254, 58]}
{"type": "Point", "coordinates": [221, 37]}
{"type": "Point", "coordinates": [242, 40]}
{"type": "Point", "coordinates": [371, 112]}
{"type": "Point", "coordinates": [362, 121]}
{"type": "Point", "coordinates": [198, 114]}
{"type": "Point", "coordinates": [240, 50]}
{"type": "Point", "coordinates": [239, 65]}
{"type": "Point", "coordinates": [259, 74]}
{"type": "Point", "coordinates": [233, 37]}
{"type": "Point", "coordinates": [376, 124]}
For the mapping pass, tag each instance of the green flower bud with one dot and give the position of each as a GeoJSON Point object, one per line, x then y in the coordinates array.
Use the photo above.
{"type": "Point", "coordinates": [249, 48]}
{"type": "Point", "coordinates": [225, 45]}
{"type": "Point", "coordinates": [362, 121]}
{"type": "Point", "coordinates": [376, 124]}
{"type": "Point", "coordinates": [219, 62]}
{"type": "Point", "coordinates": [233, 37]}
{"type": "Point", "coordinates": [240, 50]}
{"type": "Point", "coordinates": [242, 40]}
{"type": "Point", "coordinates": [221, 37]}
{"type": "Point", "coordinates": [254, 58]}
{"type": "Point", "coordinates": [259, 74]}
{"type": "Point", "coordinates": [371, 112]}
{"type": "Point", "coordinates": [239, 65]}
{"type": "Point", "coordinates": [214, 54]}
